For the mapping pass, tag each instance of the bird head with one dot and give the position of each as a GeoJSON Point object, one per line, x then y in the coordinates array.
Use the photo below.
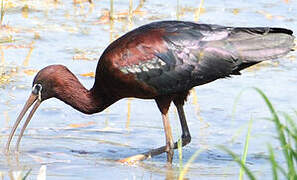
{"type": "Point", "coordinates": [49, 80]}
{"type": "Point", "coordinates": [45, 85]}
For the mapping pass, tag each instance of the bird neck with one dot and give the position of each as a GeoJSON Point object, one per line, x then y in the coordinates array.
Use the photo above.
{"type": "Point", "coordinates": [84, 100]}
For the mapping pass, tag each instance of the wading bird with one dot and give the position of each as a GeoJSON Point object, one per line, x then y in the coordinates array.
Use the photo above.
{"type": "Point", "coordinates": [160, 61]}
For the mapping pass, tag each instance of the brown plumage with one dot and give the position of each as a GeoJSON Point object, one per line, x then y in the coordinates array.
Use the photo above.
{"type": "Point", "coordinates": [160, 61]}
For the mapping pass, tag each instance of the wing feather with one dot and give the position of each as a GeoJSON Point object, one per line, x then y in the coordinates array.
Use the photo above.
{"type": "Point", "coordinates": [194, 54]}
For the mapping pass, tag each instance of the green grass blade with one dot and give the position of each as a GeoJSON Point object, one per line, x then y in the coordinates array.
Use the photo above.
{"type": "Point", "coordinates": [290, 133]}
{"type": "Point", "coordinates": [26, 175]}
{"type": "Point", "coordinates": [280, 169]}
{"type": "Point", "coordinates": [291, 122]}
{"type": "Point", "coordinates": [294, 153]}
{"type": "Point", "coordinates": [287, 137]}
{"type": "Point", "coordinates": [291, 129]}
{"type": "Point", "coordinates": [235, 103]}
{"type": "Point", "coordinates": [237, 159]}
{"type": "Point", "coordinates": [281, 134]}
{"type": "Point", "coordinates": [246, 145]}
{"type": "Point", "coordinates": [188, 164]}
{"type": "Point", "coordinates": [268, 103]}
{"type": "Point", "coordinates": [273, 163]}
{"type": "Point", "coordinates": [238, 132]}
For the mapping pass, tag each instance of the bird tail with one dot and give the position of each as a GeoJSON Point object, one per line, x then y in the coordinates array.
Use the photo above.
{"type": "Point", "coordinates": [259, 44]}
{"type": "Point", "coordinates": [253, 45]}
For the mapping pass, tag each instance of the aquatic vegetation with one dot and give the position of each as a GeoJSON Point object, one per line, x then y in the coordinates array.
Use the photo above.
{"type": "Point", "coordinates": [38, 33]}
{"type": "Point", "coordinates": [2, 12]}
{"type": "Point", "coordinates": [185, 169]}
{"type": "Point", "coordinates": [7, 74]}
{"type": "Point", "coordinates": [287, 137]}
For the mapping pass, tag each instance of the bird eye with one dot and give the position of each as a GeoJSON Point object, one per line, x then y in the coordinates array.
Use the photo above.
{"type": "Point", "coordinates": [37, 89]}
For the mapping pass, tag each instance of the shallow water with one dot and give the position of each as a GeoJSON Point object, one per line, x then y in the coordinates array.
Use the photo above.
{"type": "Point", "coordinates": [77, 146]}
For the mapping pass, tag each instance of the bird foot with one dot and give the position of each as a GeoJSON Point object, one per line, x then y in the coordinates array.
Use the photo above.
{"type": "Point", "coordinates": [133, 159]}
{"type": "Point", "coordinates": [153, 152]}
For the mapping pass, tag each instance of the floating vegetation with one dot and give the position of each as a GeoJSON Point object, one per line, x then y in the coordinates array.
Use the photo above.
{"type": "Point", "coordinates": [90, 74]}
{"type": "Point", "coordinates": [81, 1]}
{"type": "Point", "coordinates": [82, 125]}
{"type": "Point", "coordinates": [119, 16]}
{"type": "Point", "coordinates": [269, 16]}
{"type": "Point", "coordinates": [85, 54]}
{"type": "Point", "coordinates": [6, 38]}
{"type": "Point", "coordinates": [30, 72]}
{"type": "Point", "coordinates": [7, 75]}
{"type": "Point", "coordinates": [235, 11]}
{"type": "Point", "coordinates": [2, 11]}
{"type": "Point", "coordinates": [88, 54]}
{"type": "Point", "coordinates": [34, 34]}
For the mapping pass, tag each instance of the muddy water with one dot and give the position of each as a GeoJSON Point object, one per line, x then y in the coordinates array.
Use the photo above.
{"type": "Point", "coordinates": [72, 145]}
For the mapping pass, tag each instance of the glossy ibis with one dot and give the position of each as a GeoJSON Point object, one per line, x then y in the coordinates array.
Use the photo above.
{"type": "Point", "coordinates": [160, 61]}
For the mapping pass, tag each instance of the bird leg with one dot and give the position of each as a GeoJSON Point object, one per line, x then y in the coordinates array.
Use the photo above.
{"type": "Point", "coordinates": [169, 140]}
{"type": "Point", "coordinates": [163, 103]}
{"type": "Point", "coordinates": [186, 138]}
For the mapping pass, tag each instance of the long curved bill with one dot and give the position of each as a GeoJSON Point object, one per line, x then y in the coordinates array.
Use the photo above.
{"type": "Point", "coordinates": [33, 98]}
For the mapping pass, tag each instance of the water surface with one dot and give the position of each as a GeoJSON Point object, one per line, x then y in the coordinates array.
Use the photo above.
{"type": "Point", "coordinates": [76, 146]}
